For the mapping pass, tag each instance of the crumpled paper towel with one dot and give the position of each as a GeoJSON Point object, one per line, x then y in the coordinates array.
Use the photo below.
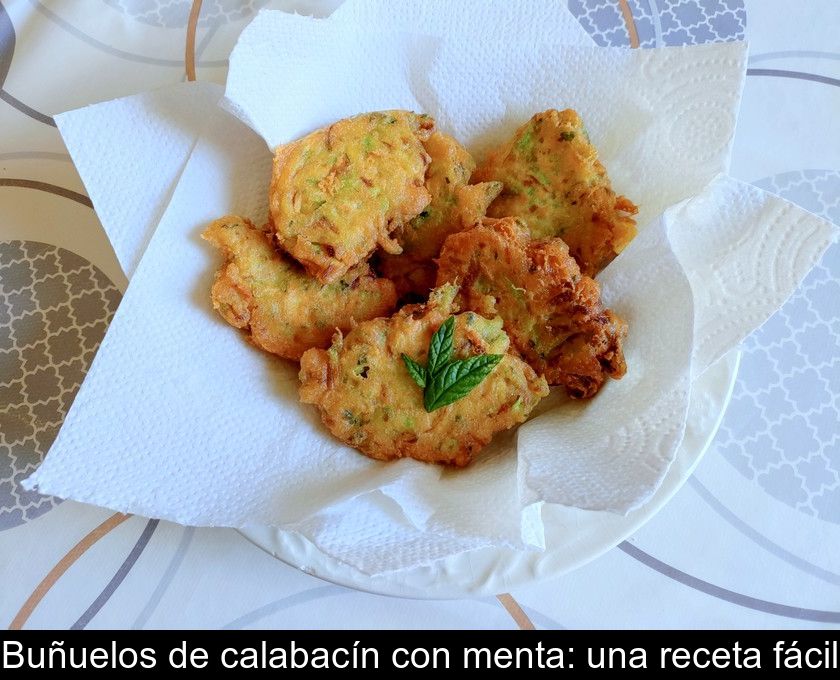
{"type": "Point", "coordinates": [180, 419]}
{"type": "Point", "coordinates": [129, 153]}
{"type": "Point", "coordinates": [744, 263]}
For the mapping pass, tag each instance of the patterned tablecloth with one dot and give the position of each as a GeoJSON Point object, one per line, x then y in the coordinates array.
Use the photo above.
{"type": "Point", "coordinates": [752, 540]}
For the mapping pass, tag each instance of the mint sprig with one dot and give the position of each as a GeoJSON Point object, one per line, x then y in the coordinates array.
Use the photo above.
{"type": "Point", "coordinates": [440, 347]}
{"type": "Point", "coordinates": [415, 370]}
{"type": "Point", "coordinates": [443, 380]}
{"type": "Point", "coordinates": [457, 379]}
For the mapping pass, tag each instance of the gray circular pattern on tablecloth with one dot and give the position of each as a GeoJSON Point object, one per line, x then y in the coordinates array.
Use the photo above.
{"type": "Point", "coordinates": [54, 309]}
{"type": "Point", "coordinates": [662, 22]}
{"type": "Point", "coordinates": [781, 426]}
{"type": "Point", "coordinates": [175, 13]}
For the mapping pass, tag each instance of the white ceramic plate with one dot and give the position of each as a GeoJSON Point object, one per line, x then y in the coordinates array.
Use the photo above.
{"type": "Point", "coordinates": [573, 537]}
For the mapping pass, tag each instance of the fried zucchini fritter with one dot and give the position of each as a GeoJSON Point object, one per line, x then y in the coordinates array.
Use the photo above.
{"type": "Point", "coordinates": [340, 191]}
{"type": "Point", "coordinates": [555, 182]}
{"type": "Point", "coordinates": [553, 314]}
{"type": "Point", "coordinates": [454, 205]}
{"type": "Point", "coordinates": [285, 310]}
{"type": "Point", "coordinates": [368, 400]}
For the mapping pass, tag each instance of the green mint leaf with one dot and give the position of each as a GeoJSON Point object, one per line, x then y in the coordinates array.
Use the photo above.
{"type": "Point", "coordinates": [415, 370]}
{"type": "Point", "coordinates": [440, 348]}
{"type": "Point", "coordinates": [457, 379]}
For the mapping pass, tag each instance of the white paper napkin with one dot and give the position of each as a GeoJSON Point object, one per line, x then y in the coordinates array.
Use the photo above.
{"type": "Point", "coordinates": [180, 419]}
{"type": "Point", "coordinates": [744, 251]}
{"type": "Point", "coordinates": [129, 153]}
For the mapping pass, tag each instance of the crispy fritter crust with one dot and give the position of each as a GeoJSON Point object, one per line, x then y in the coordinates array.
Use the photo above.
{"type": "Point", "coordinates": [449, 168]}
{"type": "Point", "coordinates": [368, 400]}
{"type": "Point", "coordinates": [454, 206]}
{"type": "Point", "coordinates": [339, 192]}
{"type": "Point", "coordinates": [284, 310]}
{"type": "Point", "coordinates": [555, 182]}
{"type": "Point", "coordinates": [553, 314]}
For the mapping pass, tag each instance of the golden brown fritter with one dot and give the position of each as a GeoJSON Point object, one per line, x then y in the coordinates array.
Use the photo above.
{"type": "Point", "coordinates": [285, 310]}
{"type": "Point", "coordinates": [553, 314]}
{"type": "Point", "coordinates": [340, 191]}
{"type": "Point", "coordinates": [368, 400]}
{"type": "Point", "coordinates": [555, 182]}
{"type": "Point", "coordinates": [454, 205]}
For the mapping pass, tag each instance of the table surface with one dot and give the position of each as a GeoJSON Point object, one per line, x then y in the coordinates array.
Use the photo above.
{"type": "Point", "coordinates": [753, 538]}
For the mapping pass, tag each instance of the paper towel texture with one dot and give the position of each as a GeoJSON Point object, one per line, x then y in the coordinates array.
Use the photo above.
{"type": "Point", "coordinates": [313, 67]}
{"type": "Point", "coordinates": [129, 153]}
{"type": "Point", "coordinates": [179, 418]}
{"type": "Point", "coordinates": [744, 263]}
